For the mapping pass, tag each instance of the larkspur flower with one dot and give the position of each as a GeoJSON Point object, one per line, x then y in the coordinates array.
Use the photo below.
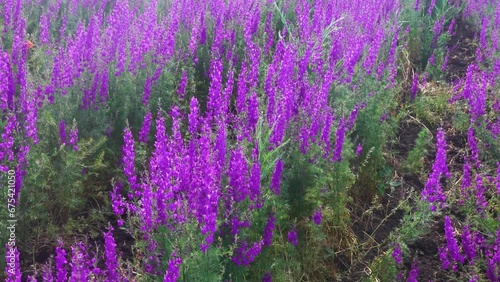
{"type": "Point", "coordinates": [359, 149]}
{"type": "Point", "coordinates": [431, 7]}
{"type": "Point", "coordinates": [268, 277]}
{"type": "Point", "coordinates": [413, 275]}
{"type": "Point", "coordinates": [146, 125]}
{"type": "Point", "coordinates": [62, 132]}
{"type": "Point", "coordinates": [61, 272]}
{"type": "Point", "coordinates": [468, 244]}
{"type": "Point", "coordinates": [267, 237]}
{"type": "Point", "coordinates": [80, 263]}
{"type": "Point", "coordinates": [110, 254]}
{"type": "Point", "coordinates": [292, 237]}
{"type": "Point", "coordinates": [73, 137]}
{"type": "Point", "coordinates": [12, 269]}
{"type": "Point", "coordinates": [318, 216]}
{"type": "Point", "coordinates": [396, 254]}
{"type": "Point", "coordinates": [276, 178]}
{"type": "Point", "coordinates": [339, 143]}
{"type": "Point", "coordinates": [451, 243]}
{"type": "Point", "coordinates": [128, 160]}
{"type": "Point", "coordinates": [433, 191]}
{"type": "Point", "coordinates": [173, 271]}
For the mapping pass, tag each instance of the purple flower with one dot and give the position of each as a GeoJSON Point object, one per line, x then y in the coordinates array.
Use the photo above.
{"type": "Point", "coordinates": [396, 253]}
{"type": "Point", "coordinates": [143, 134]}
{"type": "Point", "coordinates": [238, 175]}
{"type": "Point", "coordinates": [244, 255]}
{"type": "Point", "coordinates": [497, 181]}
{"type": "Point", "coordinates": [318, 216]}
{"type": "Point", "coordinates": [276, 178]}
{"type": "Point", "coordinates": [182, 85]}
{"type": "Point", "coordinates": [268, 277]}
{"type": "Point", "coordinates": [468, 244]}
{"type": "Point", "coordinates": [417, 5]}
{"type": "Point", "coordinates": [80, 263]}
{"type": "Point", "coordinates": [292, 237]}
{"type": "Point", "coordinates": [110, 254]}
{"type": "Point", "coordinates": [62, 132]}
{"type": "Point", "coordinates": [443, 256]}
{"type": "Point", "coordinates": [117, 200]}
{"type": "Point", "coordinates": [339, 143]}
{"type": "Point", "coordinates": [359, 149]}
{"type": "Point", "coordinates": [61, 272]}
{"type": "Point", "coordinates": [481, 202]}
{"type": "Point", "coordinates": [193, 116]}
{"type": "Point", "coordinates": [433, 191]}
{"type": "Point", "coordinates": [413, 275]}
{"type": "Point", "coordinates": [129, 160]}
{"type": "Point", "coordinates": [431, 7]}
{"type": "Point", "coordinates": [73, 138]}
{"type": "Point", "coordinates": [12, 269]}
{"type": "Point", "coordinates": [451, 242]}
{"type": "Point", "coordinates": [173, 273]}
{"type": "Point", "coordinates": [267, 237]}
{"type": "Point", "coordinates": [147, 91]}
{"type": "Point", "coordinates": [47, 272]}
{"type": "Point", "coordinates": [8, 140]}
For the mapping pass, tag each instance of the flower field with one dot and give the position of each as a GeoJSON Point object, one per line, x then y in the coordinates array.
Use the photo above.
{"type": "Point", "coordinates": [258, 140]}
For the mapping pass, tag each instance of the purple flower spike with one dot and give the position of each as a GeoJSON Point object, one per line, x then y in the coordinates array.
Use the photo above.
{"type": "Point", "coordinates": [276, 178]}
{"type": "Point", "coordinates": [110, 253]}
{"type": "Point", "coordinates": [62, 132]}
{"type": "Point", "coordinates": [172, 273]}
{"type": "Point", "coordinates": [397, 254]}
{"type": "Point", "coordinates": [318, 216]}
{"type": "Point", "coordinates": [413, 275]}
{"type": "Point", "coordinates": [358, 150]}
{"type": "Point", "coordinates": [73, 138]}
{"type": "Point", "coordinates": [292, 237]}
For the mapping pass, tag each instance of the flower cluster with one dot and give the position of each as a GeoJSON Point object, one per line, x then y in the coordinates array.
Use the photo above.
{"type": "Point", "coordinates": [433, 191]}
